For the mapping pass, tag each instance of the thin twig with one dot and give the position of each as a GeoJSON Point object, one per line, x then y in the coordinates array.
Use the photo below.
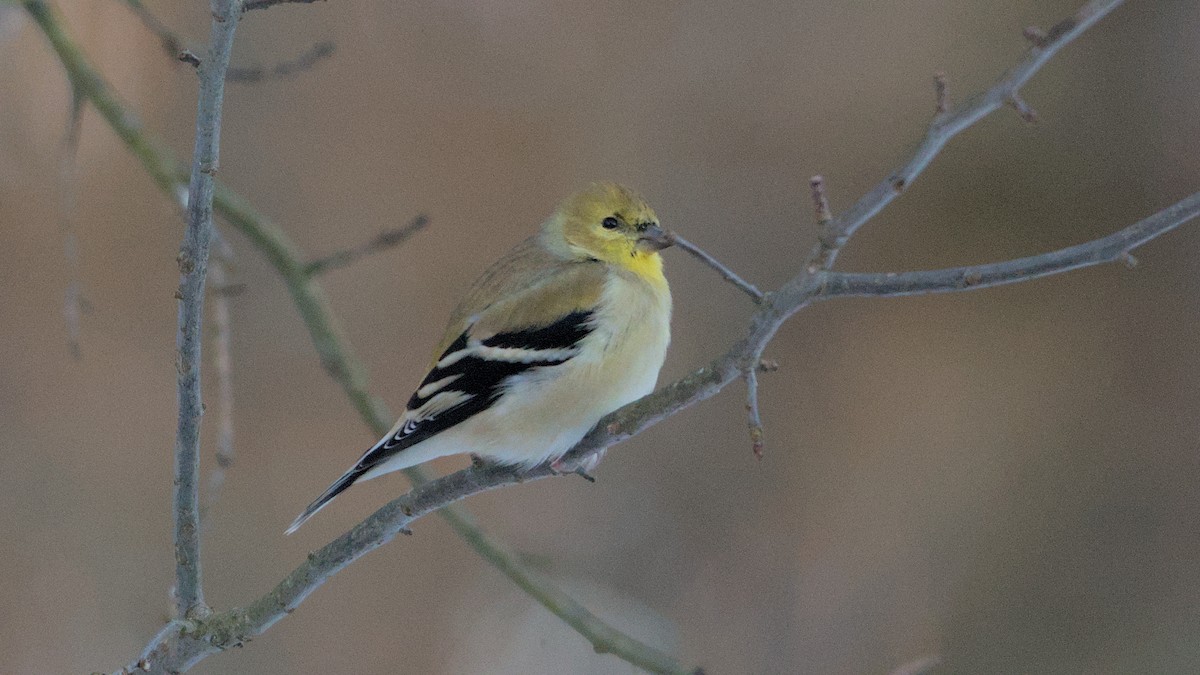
{"type": "Point", "coordinates": [381, 242]}
{"type": "Point", "coordinates": [1113, 248]}
{"type": "Point", "coordinates": [264, 4]}
{"type": "Point", "coordinates": [830, 239]}
{"type": "Point", "coordinates": [306, 61]}
{"type": "Point", "coordinates": [726, 273]}
{"type": "Point", "coordinates": [193, 267]}
{"type": "Point", "coordinates": [941, 93]}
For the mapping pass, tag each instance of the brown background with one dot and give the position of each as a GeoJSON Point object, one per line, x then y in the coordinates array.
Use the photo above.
{"type": "Point", "coordinates": [1008, 478]}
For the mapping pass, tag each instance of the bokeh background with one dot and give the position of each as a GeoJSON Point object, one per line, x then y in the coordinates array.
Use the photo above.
{"type": "Point", "coordinates": [1007, 478]}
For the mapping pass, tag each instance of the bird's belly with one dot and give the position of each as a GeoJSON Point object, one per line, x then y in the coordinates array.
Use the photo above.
{"type": "Point", "coordinates": [547, 411]}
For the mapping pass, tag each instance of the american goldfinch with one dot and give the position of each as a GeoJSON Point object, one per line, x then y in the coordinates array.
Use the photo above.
{"type": "Point", "coordinates": [572, 324]}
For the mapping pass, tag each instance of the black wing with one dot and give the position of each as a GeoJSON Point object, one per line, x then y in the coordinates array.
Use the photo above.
{"type": "Point", "coordinates": [467, 379]}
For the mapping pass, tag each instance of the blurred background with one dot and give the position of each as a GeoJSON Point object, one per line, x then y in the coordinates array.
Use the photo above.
{"type": "Point", "coordinates": [1007, 478]}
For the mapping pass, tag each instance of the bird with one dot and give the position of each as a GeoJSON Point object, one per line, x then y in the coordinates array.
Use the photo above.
{"type": "Point", "coordinates": [570, 325]}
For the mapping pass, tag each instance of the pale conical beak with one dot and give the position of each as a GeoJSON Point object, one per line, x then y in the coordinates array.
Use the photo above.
{"type": "Point", "coordinates": [654, 238]}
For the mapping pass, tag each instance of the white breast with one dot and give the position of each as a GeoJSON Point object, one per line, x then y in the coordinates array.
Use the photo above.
{"type": "Point", "coordinates": [546, 411]}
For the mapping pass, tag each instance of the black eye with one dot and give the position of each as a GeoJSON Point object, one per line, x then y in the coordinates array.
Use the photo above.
{"type": "Point", "coordinates": [610, 223]}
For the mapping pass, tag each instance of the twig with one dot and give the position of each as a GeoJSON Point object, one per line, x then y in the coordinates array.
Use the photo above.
{"type": "Point", "coordinates": [941, 93]}
{"type": "Point", "coordinates": [920, 666]}
{"type": "Point", "coordinates": [175, 47]}
{"type": "Point", "coordinates": [754, 419]}
{"type": "Point", "coordinates": [830, 239]}
{"type": "Point", "coordinates": [381, 242]}
{"type": "Point", "coordinates": [726, 273]}
{"type": "Point", "coordinates": [223, 361]}
{"type": "Point", "coordinates": [1113, 248]}
{"type": "Point", "coordinates": [73, 302]}
{"type": "Point", "coordinates": [264, 4]}
{"type": "Point", "coordinates": [306, 61]}
{"type": "Point", "coordinates": [193, 267]}
{"type": "Point", "coordinates": [335, 354]}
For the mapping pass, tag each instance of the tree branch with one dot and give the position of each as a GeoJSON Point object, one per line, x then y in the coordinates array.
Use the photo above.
{"type": "Point", "coordinates": [726, 273]}
{"type": "Point", "coordinates": [193, 268]}
{"type": "Point", "coordinates": [948, 125]}
{"type": "Point", "coordinates": [305, 61]}
{"type": "Point", "coordinates": [381, 242]}
{"type": "Point", "coordinates": [1113, 248]}
{"type": "Point", "coordinates": [264, 4]}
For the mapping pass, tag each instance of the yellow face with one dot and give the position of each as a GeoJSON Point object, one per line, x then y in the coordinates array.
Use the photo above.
{"type": "Point", "coordinates": [611, 223]}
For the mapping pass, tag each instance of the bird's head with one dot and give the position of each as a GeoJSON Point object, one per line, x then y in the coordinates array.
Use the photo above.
{"type": "Point", "coordinates": [613, 224]}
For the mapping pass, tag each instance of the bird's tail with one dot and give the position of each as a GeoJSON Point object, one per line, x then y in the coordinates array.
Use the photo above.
{"type": "Point", "coordinates": [334, 490]}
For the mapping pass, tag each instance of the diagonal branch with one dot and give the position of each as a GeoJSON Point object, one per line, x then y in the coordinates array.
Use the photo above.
{"type": "Point", "coordinates": [379, 243]}
{"type": "Point", "coordinates": [726, 273]}
{"type": "Point", "coordinates": [193, 268]}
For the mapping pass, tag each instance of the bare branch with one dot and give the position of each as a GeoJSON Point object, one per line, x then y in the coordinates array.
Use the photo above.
{"type": "Point", "coordinates": [381, 242]}
{"type": "Point", "coordinates": [726, 273]}
{"type": "Point", "coordinates": [1027, 113]}
{"type": "Point", "coordinates": [945, 127]}
{"type": "Point", "coordinates": [830, 239]}
{"type": "Point", "coordinates": [306, 61]}
{"type": "Point", "coordinates": [1113, 248]}
{"type": "Point", "coordinates": [193, 267]}
{"type": "Point", "coordinates": [264, 4]}
{"type": "Point", "coordinates": [941, 93]}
